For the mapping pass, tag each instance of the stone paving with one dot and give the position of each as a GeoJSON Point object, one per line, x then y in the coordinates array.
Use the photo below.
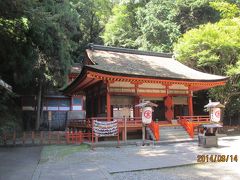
{"type": "Point", "coordinates": [143, 162]}
{"type": "Point", "coordinates": [103, 163]}
{"type": "Point", "coordinates": [18, 162]}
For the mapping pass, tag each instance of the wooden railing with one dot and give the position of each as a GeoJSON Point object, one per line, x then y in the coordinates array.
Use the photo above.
{"type": "Point", "coordinates": [155, 130]}
{"type": "Point", "coordinates": [190, 122]}
{"type": "Point", "coordinates": [195, 119]}
{"type": "Point", "coordinates": [77, 137]}
{"type": "Point", "coordinates": [87, 123]}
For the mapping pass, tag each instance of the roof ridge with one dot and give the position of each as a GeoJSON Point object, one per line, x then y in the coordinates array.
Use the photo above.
{"type": "Point", "coordinates": [127, 50]}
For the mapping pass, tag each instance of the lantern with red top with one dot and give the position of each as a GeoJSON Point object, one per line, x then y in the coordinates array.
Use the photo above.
{"type": "Point", "coordinates": [214, 109]}
{"type": "Point", "coordinates": [146, 115]}
{"type": "Point", "coordinates": [146, 111]}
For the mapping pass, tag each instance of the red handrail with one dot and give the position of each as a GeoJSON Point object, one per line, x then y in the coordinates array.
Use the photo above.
{"type": "Point", "coordinates": [188, 125]}
{"type": "Point", "coordinates": [155, 129]}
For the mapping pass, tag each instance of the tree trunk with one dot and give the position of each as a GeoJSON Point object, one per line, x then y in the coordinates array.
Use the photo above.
{"type": "Point", "coordinates": [39, 101]}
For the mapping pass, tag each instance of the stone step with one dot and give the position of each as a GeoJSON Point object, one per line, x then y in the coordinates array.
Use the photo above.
{"type": "Point", "coordinates": [176, 135]}
{"type": "Point", "coordinates": [172, 130]}
{"type": "Point", "coordinates": [184, 134]}
{"type": "Point", "coordinates": [173, 133]}
{"type": "Point", "coordinates": [171, 127]}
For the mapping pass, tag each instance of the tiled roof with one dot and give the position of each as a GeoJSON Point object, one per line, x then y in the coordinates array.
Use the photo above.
{"type": "Point", "coordinates": [124, 61]}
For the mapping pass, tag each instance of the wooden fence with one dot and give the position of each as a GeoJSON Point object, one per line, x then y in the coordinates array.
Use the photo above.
{"type": "Point", "coordinates": [45, 138]}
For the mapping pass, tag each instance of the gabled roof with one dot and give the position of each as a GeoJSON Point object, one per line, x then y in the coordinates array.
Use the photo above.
{"type": "Point", "coordinates": [121, 64]}
{"type": "Point", "coordinates": [122, 61]}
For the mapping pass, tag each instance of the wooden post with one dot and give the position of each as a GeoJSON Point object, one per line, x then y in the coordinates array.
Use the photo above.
{"type": "Point", "coordinates": [92, 105]}
{"type": "Point", "coordinates": [72, 135]}
{"type": "Point", "coordinates": [137, 110]}
{"type": "Point", "coordinates": [41, 137]}
{"type": "Point", "coordinates": [137, 101]}
{"type": "Point", "coordinates": [33, 137]}
{"type": "Point", "coordinates": [58, 137]}
{"type": "Point", "coordinates": [108, 106]}
{"type": "Point", "coordinates": [125, 129]}
{"type": "Point", "coordinates": [168, 105]}
{"type": "Point", "coordinates": [190, 104]}
{"type": "Point", "coordinates": [49, 137]}
{"type": "Point", "coordinates": [5, 139]}
{"type": "Point", "coordinates": [118, 136]}
{"type": "Point", "coordinates": [24, 137]}
{"type": "Point", "coordinates": [67, 136]}
{"type": "Point", "coordinates": [99, 103]}
{"type": "Point", "coordinates": [92, 135]}
{"type": "Point", "coordinates": [143, 134]}
{"type": "Point", "coordinates": [14, 137]}
{"type": "Point", "coordinates": [39, 101]}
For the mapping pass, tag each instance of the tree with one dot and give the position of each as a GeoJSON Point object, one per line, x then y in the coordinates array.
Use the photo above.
{"type": "Point", "coordinates": [156, 24]}
{"type": "Point", "coordinates": [121, 28]}
{"type": "Point", "coordinates": [37, 44]}
{"type": "Point", "coordinates": [192, 13]}
{"type": "Point", "coordinates": [40, 39]}
{"type": "Point", "coordinates": [214, 48]}
{"type": "Point", "coordinates": [92, 15]}
{"type": "Point", "coordinates": [226, 9]}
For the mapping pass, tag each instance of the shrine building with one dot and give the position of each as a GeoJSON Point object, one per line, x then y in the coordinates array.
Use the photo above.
{"type": "Point", "coordinates": [113, 80]}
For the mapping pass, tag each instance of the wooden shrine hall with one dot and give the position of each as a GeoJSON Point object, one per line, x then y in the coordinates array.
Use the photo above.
{"type": "Point", "coordinates": [114, 80]}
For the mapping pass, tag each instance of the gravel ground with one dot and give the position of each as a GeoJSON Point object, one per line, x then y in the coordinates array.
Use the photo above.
{"type": "Point", "coordinates": [222, 171]}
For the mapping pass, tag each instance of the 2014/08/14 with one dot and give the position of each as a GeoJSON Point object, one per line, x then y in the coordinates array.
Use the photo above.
{"type": "Point", "coordinates": [217, 158]}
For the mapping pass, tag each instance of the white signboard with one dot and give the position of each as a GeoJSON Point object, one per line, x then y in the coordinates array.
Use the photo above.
{"type": "Point", "coordinates": [215, 114]}
{"type": "Point", "coordinates": [105, 128]}
{"type": "Point", "coordinates": [147, 115]}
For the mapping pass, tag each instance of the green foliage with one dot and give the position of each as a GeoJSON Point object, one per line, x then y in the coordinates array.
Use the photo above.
{"type": "Point", "coordinates": [155, 25]}
{"type": "Point", "coordinates": [92, 15]}
{"type": "Point", "coordinates": [215, 48]}
{"type": "Point", "coordinates": [212, 47]}
{"type": "Point", "coordinates": [40, 39]}
{"type": "Point", "coordinates": [226, 9]}
{"type": "Point", "coordinates": [10, 119]}
{"type": "Point", "coordinates": [121, 29]}
{"type": "Point", "coordinates": [192, 13]}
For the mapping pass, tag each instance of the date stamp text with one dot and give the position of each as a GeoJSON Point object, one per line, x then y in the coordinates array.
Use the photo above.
{"type": "Point", "coordinates": [216, 158]}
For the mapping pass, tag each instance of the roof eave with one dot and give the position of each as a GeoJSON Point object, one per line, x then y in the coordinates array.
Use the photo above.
{"type": "Point", "coordinates": [153, 77]}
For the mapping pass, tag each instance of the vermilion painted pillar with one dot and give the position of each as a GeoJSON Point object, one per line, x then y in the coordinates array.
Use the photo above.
{"type": "Point", "coordinates": [190, 104]}
{"type": "Point", "coordinates": [136, 101]}
{"type": "Point", "coordinates": [108, 103]}
{"type": "Point", "coordinates": [108, 106]}
{"type": "Point", "coordinates": [169, 108]}
{"type": "Point", "coordinates": [136, 110]}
